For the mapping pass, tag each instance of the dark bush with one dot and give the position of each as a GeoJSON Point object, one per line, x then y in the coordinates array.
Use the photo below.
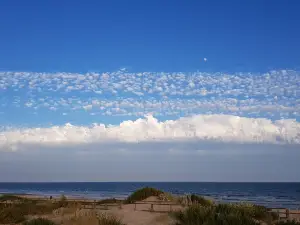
{"type": "Point", "coordinates": [200, 215]}
{"type": "Point", "coordinates": [249, 210]}
{"type": "Point", "coordinates": [16, 213]}
{"type": "Point", "coordinates": [9, 197]}
{"type": "Point", "coordinates": [288, 222]}
{"type": "Point", "coordinates": [142, 194]}
{"type": "Point", "coordinates": [39, 221]}
{"type": "Point", "coordinates": [196, 199]}
{"type": "Point", "coordinates": [109, 201]}
{"type": "Point", "coordinates": [11, 215]}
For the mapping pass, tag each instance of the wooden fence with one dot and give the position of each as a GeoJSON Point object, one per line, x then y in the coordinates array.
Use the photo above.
{"type": "Point", "coordinates": [284, 213]}
{"type": "Point", "coordinates": [154, 206]}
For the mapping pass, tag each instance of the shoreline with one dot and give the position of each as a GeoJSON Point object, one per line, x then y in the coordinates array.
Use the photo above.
{"type": "Point", "coordinates": [91, 198]}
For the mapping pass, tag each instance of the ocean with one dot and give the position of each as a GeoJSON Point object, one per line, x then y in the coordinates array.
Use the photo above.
{"type": "Point", "coordinates": [285, 195]}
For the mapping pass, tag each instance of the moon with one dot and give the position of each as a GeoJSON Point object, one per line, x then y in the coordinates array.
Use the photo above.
{"type": "Point", "coordinates": [205, 59]}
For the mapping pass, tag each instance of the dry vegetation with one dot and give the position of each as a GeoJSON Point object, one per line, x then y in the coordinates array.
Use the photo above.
{"type": "Point", "coordinates": [196, 210]}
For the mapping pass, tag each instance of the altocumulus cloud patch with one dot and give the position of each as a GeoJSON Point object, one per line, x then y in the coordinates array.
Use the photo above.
{"type": "Point", "coordinates": [69, 96]}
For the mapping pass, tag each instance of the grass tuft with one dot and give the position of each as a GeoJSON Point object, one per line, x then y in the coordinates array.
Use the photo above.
{"type": "Point", "coordinates": [196, 199]}
{"type": "Point", "coordinates": [209, 215]}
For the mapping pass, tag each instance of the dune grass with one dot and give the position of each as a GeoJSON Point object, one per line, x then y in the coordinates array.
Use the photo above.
{"type": "Point", "coordinates": [210, 215]}
{"type": "Point", "coordinates": [10, 197]}
{"type": "Point", "coordinates": [196, 199]}
{"type": "Point", "coordinates": [109, 201]}
{"type": "Point", "coordinates": [12, 215]}
{"type": "Point", "coordinates": [19, 208]}
{"type": "Point", "coordinates": [224, 214]}
{"type": "Point", "coordinates": [142, 194]}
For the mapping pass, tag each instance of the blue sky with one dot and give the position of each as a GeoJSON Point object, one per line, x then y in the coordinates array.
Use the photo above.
{"type": "Point", "coordinates": [213, 86]}
{"type": "Point", "coordinates": [80, 36]}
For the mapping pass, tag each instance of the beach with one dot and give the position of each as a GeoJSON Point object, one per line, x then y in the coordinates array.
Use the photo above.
{"type": "Point", "coordinates": [152, 210]}
{"type": "Point", "coordinates": [84, 211]}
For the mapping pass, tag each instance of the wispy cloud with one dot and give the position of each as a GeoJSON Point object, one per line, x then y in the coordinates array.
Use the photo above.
{"type": "Point", "coordinates": [272, 95]}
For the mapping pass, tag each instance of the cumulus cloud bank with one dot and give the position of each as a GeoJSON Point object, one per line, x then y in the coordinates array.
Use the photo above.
{"type": "Point", "coordinates": [219, 128]}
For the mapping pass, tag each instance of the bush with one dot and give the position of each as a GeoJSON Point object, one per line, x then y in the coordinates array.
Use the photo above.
{"type": "Point", "coordinates": [105, 219]}
{"type": "Point", "coordinates": [11, 215]}
{"type": "Point", "coordinates": [201, 200]}
{"type": "Point", "coordinates": [205, 212]}
{"type": "Point", "coordinates": [16, 213]}
{"type": "Point", "coordinates": [254, 211]}
{"type": "Point", "coordinates": [109, 201]}
{"type": "Point", "coordinates": [142, 194]}
{"type": "Point", "coordinates": [209, 215]}
{"type": "Point", "coordinates": [39, 221]}
{"type": "Point", "coordinates": [9, 197]}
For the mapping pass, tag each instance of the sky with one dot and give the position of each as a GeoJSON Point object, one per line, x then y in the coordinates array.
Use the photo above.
{"type": "Point", "coordinates": [149, 90]}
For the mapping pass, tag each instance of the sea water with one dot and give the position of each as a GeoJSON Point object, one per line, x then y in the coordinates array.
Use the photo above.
{"type": "Point", "coordinates": [268, 194]}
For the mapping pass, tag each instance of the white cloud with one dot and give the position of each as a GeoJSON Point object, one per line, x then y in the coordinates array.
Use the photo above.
{"type": "Point", "coordinates": [199, 128]}
{"type": "Point", "coordinates": [270, 95]}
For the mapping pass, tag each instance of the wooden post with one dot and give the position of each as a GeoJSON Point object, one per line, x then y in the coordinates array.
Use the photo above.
{"type": "Point", "coordinates": [106, 207]}
{"type": "Point", "coordinates": [152, 208]}
{"type": "Point", "coordinates": [120, 206]}
{"type": "Point", "coordinates": [170, 208]}
{"type": "Point", "coordinates": [134, 206]}
{"type": "Point", "coordinates": [287, 213]}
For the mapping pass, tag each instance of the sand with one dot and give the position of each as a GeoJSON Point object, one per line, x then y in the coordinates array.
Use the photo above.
{"type": "Point", "coordinates": [129, 214]}
{"type": "Point", "coordinates": [150, 211]}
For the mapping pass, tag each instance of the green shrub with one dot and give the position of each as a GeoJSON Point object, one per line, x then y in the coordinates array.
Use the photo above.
{"type": "Point", "coordinates": [9, 197]}
{"type": "Point", "coordinates": [249, 210]}
{"type": "Point", "coordinates": [16, 213]}
{"type": "Point", "coordinates": [11, 215]}
{"type": "Point", "coordinates": [109, 201]}
{"type": "Point", "coordinates": [142, 194]}
{"type": "Point", "coordinates": [223, 214]}
{"type": "Point", "coordinates": [196, 199]}
{"type": "Point", "coordinates": [39, 221]}
{"type": "Point", "coordinates": [105, 219]}
{"type": "Point", "coordinates": [193, 215]}
{"type": "Point", "coordinates": [209, 215]}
